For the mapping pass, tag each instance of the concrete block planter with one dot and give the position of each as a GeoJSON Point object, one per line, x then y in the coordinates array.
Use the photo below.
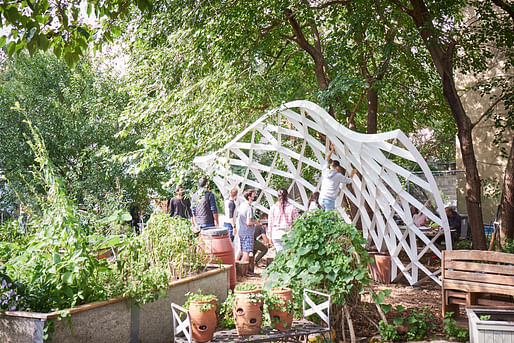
{"type": "Point", "coordinates": [498, 328]}
{"type": "Point", "coordinates": [115, 320]}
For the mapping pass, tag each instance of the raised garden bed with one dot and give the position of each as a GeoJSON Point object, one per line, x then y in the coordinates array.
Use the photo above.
{"type": "Point", "coordinates": [490, 325]}
{"type": "Point", "coordinates": [114, 320]}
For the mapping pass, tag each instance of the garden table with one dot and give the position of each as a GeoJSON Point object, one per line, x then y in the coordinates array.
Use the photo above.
{"type": "Point", "coordinates": [299, 332]}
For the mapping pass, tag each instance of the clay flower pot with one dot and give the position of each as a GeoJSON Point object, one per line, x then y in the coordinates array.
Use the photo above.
{"type": "Point", "coordinates": [281, 308]}
{"type": "Point", "coordinates": [248, 311]}
{"type": "Point", "coordinates": [203, 323]}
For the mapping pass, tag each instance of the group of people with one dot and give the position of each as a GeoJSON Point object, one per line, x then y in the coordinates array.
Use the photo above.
{"type": "Point", "coordinates": [267, 231]}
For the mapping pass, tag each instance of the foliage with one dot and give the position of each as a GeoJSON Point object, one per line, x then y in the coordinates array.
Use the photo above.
{"type": "Point", "coordinates": [226, 312]}
{"type": "Point", "coordinates": [417, 326]}
{"type": "Point", "coordinates": [66, 27]}
{"type": "Point", "coordinates": [246, 286]}
{"type": "Point", "coordinates": [145, 264]}
{"type": "Point", "coordinates": [508, 246]}
{"type": "Point", "coordinates": [55, 265]}
{"type": "Point", "coordinates": [461, 334]}
{"type": "Point", "coordinates": [58, 268]}
{"type": "Point", "coordinates": [321, 252]}
{"type": "Point", "coordinates": [388, 333]}
{"type": "Point", "coordinates": [255, 295]}
{"type": "Point", "coordinates": [9, 293]}
{"type": "Point", "coordinates": [276, 302]}
{"type": "Point", "coordinates": [209, 299]}
{"type": "Point", "coordinates": [463, 245]}
{"type": "Point", "coordinates": [76, 112]}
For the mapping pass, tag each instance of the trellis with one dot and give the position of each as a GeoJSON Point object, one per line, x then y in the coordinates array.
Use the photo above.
{"type": "Point", "coordinates": [288, 145]}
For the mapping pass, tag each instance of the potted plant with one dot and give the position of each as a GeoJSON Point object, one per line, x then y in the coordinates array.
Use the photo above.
{"type": "Point", "coordinates": [248, 305]}
{"type": "Point", "coordinates": [202, 312]}
{"type": "Point", "coordinates": [280, 308]}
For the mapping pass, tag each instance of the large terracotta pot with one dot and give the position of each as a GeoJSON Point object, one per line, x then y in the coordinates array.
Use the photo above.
{"type": "Point", "coordinates": [203, 323]}
{"type": "Point", "coordinates": [247, 313]}
{"type": "Point", "coordinates": [217, 244]}
{"type": "Point", "coordinates": [281, 315]}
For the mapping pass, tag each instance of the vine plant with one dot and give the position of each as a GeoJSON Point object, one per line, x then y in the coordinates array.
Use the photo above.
{"type": "Point", "coordinates": [325, 253]}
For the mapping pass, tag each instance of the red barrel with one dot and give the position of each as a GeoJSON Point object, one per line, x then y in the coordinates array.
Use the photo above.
{"type": "Point", "coordinates": [217, 243]}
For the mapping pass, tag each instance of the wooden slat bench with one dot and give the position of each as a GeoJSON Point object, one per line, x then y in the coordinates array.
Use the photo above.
{"type": "Point", "coordinates": [475, 277]}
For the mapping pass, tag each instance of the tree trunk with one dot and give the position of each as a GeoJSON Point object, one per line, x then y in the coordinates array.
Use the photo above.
{"type": "Point", "coordinates": [507, 202]}
{"type": "Point", "coordinates": [372, 97]}
{"type": "Point", "coordinates": [443, 60]}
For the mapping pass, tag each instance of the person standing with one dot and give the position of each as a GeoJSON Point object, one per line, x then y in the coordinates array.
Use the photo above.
{"type": "Point", "coordinates": [331, 180]}
{"type": "Point", "coordinates": [204, 209]}
{"type": "Point", "coordinates": [281, 217]}
{"type": "Point", "coordinates": [246, 225]}
{"type": "Point", "coordinates": [179, 206]}
{"type": "Point", "coordinates": [260, 232]}
{"type": "Point", "coordinates": [230, 213]}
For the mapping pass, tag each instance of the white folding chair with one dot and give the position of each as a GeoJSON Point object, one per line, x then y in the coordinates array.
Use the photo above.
{"type": "Point", "coordinates": [322, 309]}
{"type": "Point", "coordinates": [179, 325]}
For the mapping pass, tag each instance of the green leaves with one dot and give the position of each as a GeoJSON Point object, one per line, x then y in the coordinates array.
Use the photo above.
{"type": "Point", "coordinates": [43, 24]}
{"type": "Point", "coordinates": [321, 253]}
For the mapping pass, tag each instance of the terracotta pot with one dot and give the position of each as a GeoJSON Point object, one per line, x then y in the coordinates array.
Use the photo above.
{"type": "Point", "coordinates": [247, 314]}
{"type": "Point", "coordinates": [280, 318]}
{"type": "Point", "coordinates": [218, 245]}
{"type": "Point", "coordinates": [380, 269]}
{"type": "Point", "coordinates": [203, 323]}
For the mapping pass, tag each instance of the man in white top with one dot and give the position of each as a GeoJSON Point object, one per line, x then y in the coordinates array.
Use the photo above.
{"type": "Point", "coordinates": [331, 180]}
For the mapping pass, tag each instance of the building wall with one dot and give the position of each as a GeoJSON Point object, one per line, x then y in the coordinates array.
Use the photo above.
{"type": "Point", "coordinates": [491, 165]}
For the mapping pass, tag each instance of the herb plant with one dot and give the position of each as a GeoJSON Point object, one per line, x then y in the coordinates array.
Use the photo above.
{"type": "Point", "coordinates": [209, 300]}
{"type": "Point", "coordinates": [459, 333]}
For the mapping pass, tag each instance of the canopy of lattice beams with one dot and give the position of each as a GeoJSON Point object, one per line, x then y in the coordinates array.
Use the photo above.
{"type": "Point", "coordinates": [287, 148]}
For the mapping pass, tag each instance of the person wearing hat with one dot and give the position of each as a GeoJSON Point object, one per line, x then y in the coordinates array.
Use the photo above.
{"type": "Point", "coordinates": [179, 206]}
{"type": "Point", "coordinates": [204, 209]}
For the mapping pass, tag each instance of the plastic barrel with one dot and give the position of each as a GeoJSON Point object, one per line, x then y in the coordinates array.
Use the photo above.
{"type": "Point", "coordinates": [217, 243]}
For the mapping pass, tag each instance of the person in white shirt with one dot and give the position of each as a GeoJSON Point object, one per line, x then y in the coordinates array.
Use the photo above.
{"type": "Point", "coordinates": [331, 180]}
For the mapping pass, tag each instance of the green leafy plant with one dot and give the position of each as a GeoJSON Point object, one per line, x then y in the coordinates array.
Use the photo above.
{"type": "Point", "coordinates": [419, 324]}
{"type": "Point", "coordinates": [225, 312]}
{"type": "Point", "coordinates": [388, 332]}
{"type": "Point", "coordinates": [459, 333]}
{"type": "Point", "coordinates": [321, 252]}
{"type": "Point", "coordinates": [485, 317]}
{"type": "Point", "coordinates": [209, 300]}
{"type": "Point", "coordinates": [254, 297]}
{"type": "Point", "coordinates": [508, 246]}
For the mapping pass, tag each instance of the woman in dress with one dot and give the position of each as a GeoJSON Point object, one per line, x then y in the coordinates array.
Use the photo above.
{"type": "Point", "coordinates": [281, 217]}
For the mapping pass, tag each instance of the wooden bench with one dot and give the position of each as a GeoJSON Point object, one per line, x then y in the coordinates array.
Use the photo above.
{"type": "Point", "coordinates": [475, 277]}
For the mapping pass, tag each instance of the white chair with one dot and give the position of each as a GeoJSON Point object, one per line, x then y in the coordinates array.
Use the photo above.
{"type": "Point", "coordinates": [179, 325]}
{"type": "Point", "coordinates": [322, 310]}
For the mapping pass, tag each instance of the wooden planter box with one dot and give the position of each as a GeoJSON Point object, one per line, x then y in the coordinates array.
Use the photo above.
{"type": "Point", "coordinates": [499, 328]}
{"type": "Point", "coordinates": [115, 320]}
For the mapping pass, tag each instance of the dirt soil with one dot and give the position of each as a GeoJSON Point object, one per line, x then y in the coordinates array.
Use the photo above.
{"type": "Point", "coordinates": [427, 294]}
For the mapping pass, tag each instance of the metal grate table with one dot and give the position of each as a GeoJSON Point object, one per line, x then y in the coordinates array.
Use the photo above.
{"type": "Point", "coordinates": [299, 332]}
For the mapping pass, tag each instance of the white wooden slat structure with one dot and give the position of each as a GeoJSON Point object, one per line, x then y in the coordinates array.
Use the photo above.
{"type": "Point", "coordinates": [283, 148]}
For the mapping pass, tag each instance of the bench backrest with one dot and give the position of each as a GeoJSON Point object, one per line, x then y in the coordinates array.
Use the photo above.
{"type": "Point", "coordinates": [488, 267]}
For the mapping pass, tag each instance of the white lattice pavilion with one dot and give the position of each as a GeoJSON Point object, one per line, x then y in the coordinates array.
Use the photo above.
{"type": "Point", "coordinates": [283, 148]}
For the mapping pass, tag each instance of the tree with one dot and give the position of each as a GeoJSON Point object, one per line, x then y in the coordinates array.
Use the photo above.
{"type": "Point", "coordinates": [76, 112]}
{"type": "Point", "coordinates": [66, 27]}
{"type": "Point", "coordinates": [192, 75]}
{"type": "Point", "coordinates": [437, 23]}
